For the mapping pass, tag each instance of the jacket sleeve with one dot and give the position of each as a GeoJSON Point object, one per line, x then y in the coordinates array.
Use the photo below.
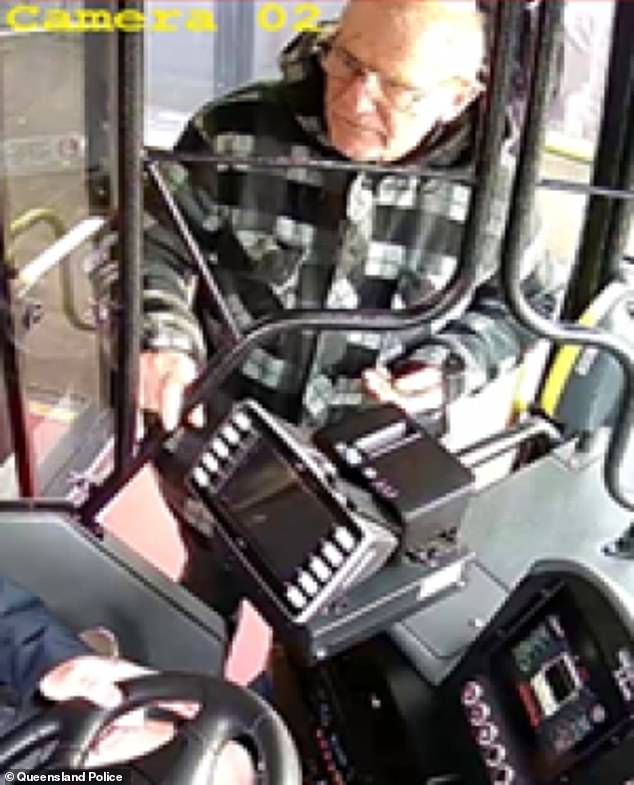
{"type": "Point", "coordinates": [32, 641]}
{"type": "Point", "coordinates": [485, 338]}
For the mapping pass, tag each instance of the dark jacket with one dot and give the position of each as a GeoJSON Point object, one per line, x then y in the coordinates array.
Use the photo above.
{"type": "Point", "coordinates": [300, 237]}
{"type": "Point", "coordinates": [32, 642]}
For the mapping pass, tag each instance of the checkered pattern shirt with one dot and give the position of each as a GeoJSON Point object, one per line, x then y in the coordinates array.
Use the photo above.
{"type": "Point", "coordinates": [316, 238]}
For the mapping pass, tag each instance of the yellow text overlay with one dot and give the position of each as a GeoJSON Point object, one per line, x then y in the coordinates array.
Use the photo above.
{"type": "Point", "coordinates": [24, 18]}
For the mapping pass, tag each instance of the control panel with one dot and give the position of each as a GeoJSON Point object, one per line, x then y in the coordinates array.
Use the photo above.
{"type": "Point", "coordinates": [304, 533]}
{"type": "Point", "coordinates": [544, 696]}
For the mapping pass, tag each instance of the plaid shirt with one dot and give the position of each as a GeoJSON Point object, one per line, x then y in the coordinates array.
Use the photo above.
{"type": "Point", "coordinates": [309, 238]}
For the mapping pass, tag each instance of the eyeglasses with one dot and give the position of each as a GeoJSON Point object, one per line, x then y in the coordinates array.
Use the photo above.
{"type": "Point", "coordinates": [341, 64]}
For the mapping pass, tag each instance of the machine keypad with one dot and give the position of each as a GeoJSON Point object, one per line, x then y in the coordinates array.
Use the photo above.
{"type": "Point", "coordinates": [232, 439]}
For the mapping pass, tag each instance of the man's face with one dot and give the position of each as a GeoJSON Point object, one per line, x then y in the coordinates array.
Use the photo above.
{"type": "Point", "coordinates": [387, 85]}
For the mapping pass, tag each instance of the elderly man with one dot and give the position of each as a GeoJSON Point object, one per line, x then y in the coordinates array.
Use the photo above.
{"type": "Point", "coordinates": [395, 81]}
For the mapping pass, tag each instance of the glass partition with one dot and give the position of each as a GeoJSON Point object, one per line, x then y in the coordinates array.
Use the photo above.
{"type": "Point", "coordinates": [50, 229]}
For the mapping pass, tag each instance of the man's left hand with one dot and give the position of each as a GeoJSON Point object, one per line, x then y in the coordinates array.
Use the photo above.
{"type": "Point", "coordinates": [419, 390]}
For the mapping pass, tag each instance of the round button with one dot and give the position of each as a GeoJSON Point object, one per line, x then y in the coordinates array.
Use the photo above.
{"type": "Point", "coordinates": [487, 734]}
{"type": "Point", "coordinates": [495, 755]}
{"type": "Point", "coordinates": [479, 714]}
{"type": "Point", "coordinates": [505, 775]}
{"type": "Point", "coordinates": [471, 693]}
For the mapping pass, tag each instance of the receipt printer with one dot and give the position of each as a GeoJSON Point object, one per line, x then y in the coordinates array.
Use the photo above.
{"type": "Point", "coordinates": [422, 489]}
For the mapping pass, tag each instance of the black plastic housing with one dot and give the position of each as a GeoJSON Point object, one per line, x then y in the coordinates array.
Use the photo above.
{"type": "Point", "coordinates": [422, 489]}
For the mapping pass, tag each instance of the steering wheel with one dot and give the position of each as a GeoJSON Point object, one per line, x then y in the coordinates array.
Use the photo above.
{"type": "Point", "coordinates": [226, 712]}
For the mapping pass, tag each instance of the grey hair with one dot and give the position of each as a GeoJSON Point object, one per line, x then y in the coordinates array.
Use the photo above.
{"type": "Point", "coordinates": [456, 25]}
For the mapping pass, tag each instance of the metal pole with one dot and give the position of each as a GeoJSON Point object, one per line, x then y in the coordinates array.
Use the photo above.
{"type": "Point", "coordinates": [521, 206]}
{"type": "Point", "coordinates": [237, 22]}
{"type": "Point", "coordinates": [130, 247]}
{"type": "Point", "coordinates": [592, 268]}
{"type": "Point", "coordinates": [508, 22]}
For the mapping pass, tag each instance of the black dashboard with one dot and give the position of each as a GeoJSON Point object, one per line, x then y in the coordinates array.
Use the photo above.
{"type": "Point", "coordinates": [546, 692]}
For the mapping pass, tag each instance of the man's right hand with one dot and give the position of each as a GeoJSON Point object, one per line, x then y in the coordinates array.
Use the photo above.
{"type": "Point", "coordinates": [164, 377]}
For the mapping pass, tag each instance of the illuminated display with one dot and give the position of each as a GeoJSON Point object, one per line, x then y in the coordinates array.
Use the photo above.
{"type": "Point", "coordinates": [555, 690]}
{"type": "Point", "coordinates": [282, 519]}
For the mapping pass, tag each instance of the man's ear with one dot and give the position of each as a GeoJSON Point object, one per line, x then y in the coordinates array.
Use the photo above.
{"type": "Point", "coordinates": [461, 93]}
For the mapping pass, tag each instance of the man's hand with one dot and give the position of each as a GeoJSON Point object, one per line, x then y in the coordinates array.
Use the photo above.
{"type": "Point", "coordinates": [95, 678]}
{"type": "Point", "coordinates": [164, 377]}
{"type": "Point", "coordinates": [419, 390]}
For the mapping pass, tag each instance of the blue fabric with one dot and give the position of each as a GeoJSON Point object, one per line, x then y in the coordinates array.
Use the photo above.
{"type": "Point", "coordinates": [32, 642]}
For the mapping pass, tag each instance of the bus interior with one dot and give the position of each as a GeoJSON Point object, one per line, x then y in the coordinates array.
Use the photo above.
{"type": "Point", "coordinates": [459, 604]}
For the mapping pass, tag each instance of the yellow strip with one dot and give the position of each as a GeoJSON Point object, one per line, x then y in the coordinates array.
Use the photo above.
{"type": "Point", "coordinates": [570, 148]}
{"type": "Point", "coordinates": [562, 367]}
{"type": "Point", "coordinates": [54, 413]}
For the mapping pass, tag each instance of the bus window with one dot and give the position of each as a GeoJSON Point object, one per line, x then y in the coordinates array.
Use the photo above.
{"type": "Point", "coordinates": [202, 63]}
{"type": "Point", "coordinates": [575, 119]}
